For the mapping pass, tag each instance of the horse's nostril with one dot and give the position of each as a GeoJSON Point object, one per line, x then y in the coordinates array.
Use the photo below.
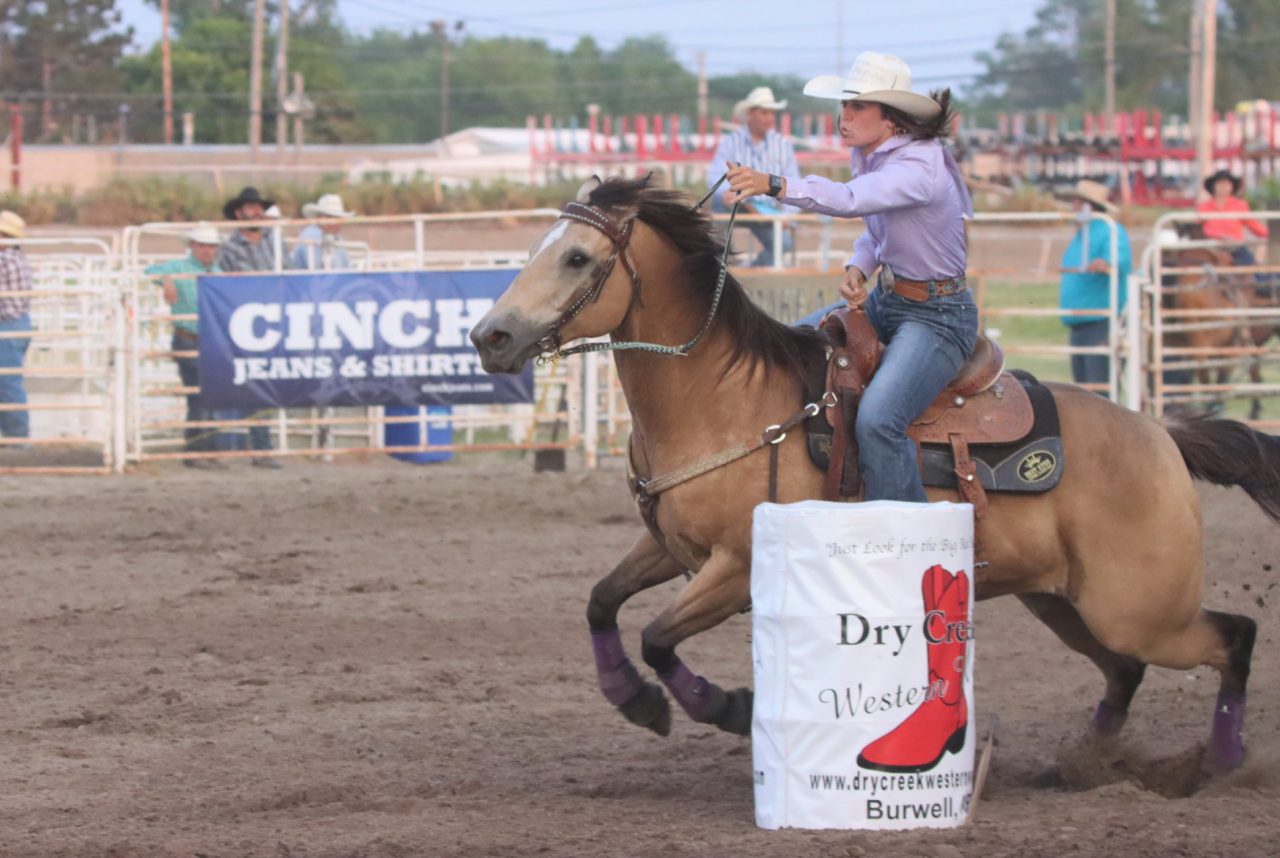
{"type": "Point", "coordinates": [496, 339]}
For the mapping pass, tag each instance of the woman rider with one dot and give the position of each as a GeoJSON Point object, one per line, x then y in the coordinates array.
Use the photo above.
{"type": "Point", "coordinates": [907, 187]}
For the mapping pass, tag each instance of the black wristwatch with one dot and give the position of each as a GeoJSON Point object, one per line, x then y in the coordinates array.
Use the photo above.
{"type": "Point", "coordinates": [775, 185]}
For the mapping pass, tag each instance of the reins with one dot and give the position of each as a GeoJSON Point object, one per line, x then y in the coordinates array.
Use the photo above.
{"type": "Point", "coordinates": [620, 237]}
{"type": "Point", "coordinates": [647, 491]}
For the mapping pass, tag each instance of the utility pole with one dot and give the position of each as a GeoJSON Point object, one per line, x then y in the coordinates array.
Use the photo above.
{"type": "Point", "coordinates": [1110, 107]}
{"type": "Point", "coordinates": [1193, 82]}
{"type": "Point", "coordinates": [702, 88]}
{"type": "Point", "coordinates": [1206, 132]}
{"type": "Point", "coordinates": [166, 72]}
{"type": "Point", "coordinates": [282, 78]}
{"type": "Point", "coordinates": [255, 80]}
{"type": "Point", "coordinates": [440, 28]}
{"type": "Point", "coordinates": [297, 117]}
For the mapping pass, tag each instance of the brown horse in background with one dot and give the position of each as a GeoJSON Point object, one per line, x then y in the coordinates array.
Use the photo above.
{"type": "Point", "coordinates": [1217, 288]}
{"type": "Point", "coordinates": [1110, 560]}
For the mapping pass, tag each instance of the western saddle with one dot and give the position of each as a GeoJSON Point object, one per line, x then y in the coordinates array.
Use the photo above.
{"type": "Point", "coordinates": [983, 404]}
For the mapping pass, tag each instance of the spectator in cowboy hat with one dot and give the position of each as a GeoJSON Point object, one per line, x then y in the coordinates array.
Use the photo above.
{"type": "Point", "coordinates": [250, 249]}
{"type": "Point", "coordinates": [757, 144]}
{"type": "Point", "coordinates": [1086, 281]}
{"type": "Point", "coordinates": [907, 187]}
{"type": "Point", "coordinates": [177, 277]}
{"type": "Point", "coordinates": [1224, 188]}
{"type": "Point", "coordinates": [15, 324]}
{"type": "Point", "coordinates": [245, 249]}
{"type": "Point", "coordinates": [318, 245]}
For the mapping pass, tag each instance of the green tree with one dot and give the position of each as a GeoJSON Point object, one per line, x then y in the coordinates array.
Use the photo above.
{"type": "Point", "coordinates": [211, 57]}
{"type": "Point", "coordinates": [61, 52]}
{"type": "Point", "coordinates": [1059, 62]}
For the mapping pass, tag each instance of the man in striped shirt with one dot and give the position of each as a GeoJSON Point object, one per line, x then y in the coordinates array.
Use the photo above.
{"type": "Point", "coordinates": [15, 325]}
{"type": "Point", "coordinates": [756, 144]}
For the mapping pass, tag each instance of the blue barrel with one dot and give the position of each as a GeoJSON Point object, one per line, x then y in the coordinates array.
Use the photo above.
{"type": "Point", "coordinates": [408, 434]}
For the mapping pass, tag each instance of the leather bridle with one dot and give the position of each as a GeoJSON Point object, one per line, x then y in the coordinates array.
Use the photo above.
{"type": "Point", "coordinates": [549, 347]}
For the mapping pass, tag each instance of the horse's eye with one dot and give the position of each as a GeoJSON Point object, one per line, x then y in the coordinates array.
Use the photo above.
{"type": "Point", "coordinates": [577, 260]}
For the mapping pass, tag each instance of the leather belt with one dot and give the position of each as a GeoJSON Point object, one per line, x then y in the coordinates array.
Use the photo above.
{"type": "Point", "coordinates": [920, 290]}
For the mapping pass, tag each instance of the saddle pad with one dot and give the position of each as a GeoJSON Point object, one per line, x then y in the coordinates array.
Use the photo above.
{"type": "Point", "coordinates": [1032, 464]}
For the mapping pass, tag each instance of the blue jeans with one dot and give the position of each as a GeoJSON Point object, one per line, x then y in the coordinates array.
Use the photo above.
{"type": "Point", "coordinates": [13, 355]}
{"type": "Point", "coordinates": [259, 436]}
{"type": "Point", "coordinates": [1090, 369]}
{"type": "Point", "coordinates": [762, 230]}
{"type": "Point", "coordinates": [927, 344]}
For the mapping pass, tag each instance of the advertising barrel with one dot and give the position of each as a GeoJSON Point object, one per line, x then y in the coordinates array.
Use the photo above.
{"type": "Point", "coordinates": [862, 644]}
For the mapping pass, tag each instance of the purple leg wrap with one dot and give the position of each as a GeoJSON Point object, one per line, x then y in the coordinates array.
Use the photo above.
{"type": "Point", "coordinates": [1226, 745]}
{"type": "Point", "coordinates": [693, 693]}
{"type": "Point", "coordinates": [619, 679]}
{"type": "Point", "coordinates": [1108, 720]}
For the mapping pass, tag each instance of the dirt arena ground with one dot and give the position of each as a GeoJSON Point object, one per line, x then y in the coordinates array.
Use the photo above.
{"type": "Point", "coordinates": [378, 659]}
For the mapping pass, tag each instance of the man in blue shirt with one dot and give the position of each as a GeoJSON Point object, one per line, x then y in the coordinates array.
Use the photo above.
{"type": "Point", "coordinates": [1086, 282]}
{"type": "Point", "coordinates": [756, 144]}
{"type": "Point", "coordinates": [320, 245]}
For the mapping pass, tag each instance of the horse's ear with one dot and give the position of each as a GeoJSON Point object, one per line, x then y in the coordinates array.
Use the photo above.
{"type": "Point", "coordinates": [588, 186]}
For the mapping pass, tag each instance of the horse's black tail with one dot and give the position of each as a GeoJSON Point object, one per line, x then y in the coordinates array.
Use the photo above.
{"type": "Point", "coordinates": [1229, 453]}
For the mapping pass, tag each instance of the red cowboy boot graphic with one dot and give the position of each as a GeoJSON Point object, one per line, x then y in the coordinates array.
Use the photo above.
{"type": "Point", "coordinates": [939, 724]}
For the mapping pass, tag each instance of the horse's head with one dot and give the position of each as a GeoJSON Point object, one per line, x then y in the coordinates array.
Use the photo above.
{"type": "Point", "coordinates": [571, 287]}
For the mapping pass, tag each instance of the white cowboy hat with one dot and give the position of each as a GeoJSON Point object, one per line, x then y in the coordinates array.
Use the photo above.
{"type": "Point", "coordinates": [12, 225]}
{"type": "Point", "coordinates": [329, 205]}
{"type": "Point", "coordinates": [761, 96]}
{"type": "Point", "coordinates": [881, 78]}
{"type": "Point", "coordinates": [273, 212]}
{"type": "Point", "coordinates": [1092, 192]}
{"type": "Point", "coordinates": [203, 233]}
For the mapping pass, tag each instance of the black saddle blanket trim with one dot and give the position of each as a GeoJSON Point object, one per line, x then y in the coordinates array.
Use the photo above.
{"type": "Point", "coordinates": [1032, 464]}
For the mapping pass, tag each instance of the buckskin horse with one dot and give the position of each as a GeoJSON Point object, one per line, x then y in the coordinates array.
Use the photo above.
{"type": "Point", "coordinates": [1110, 559]}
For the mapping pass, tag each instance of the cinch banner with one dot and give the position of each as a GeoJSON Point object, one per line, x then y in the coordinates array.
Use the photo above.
{"type": "Point", "coordinates": [386, 338]}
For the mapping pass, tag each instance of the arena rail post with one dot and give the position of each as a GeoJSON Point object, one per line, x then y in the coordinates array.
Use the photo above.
{"type": "Point", "coordinates": [73, 311]}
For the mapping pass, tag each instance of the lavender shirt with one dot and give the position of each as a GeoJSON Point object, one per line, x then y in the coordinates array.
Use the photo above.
{"type": "Point", "coordinates": [914, 201]}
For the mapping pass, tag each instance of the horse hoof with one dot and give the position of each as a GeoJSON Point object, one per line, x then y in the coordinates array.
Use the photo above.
{"type": "Point", "coordinates": [650, 708]}
{"type": "Point", "coordinates": [1216, 765]}
{"type": "Point", "coordinates": [735, 718]}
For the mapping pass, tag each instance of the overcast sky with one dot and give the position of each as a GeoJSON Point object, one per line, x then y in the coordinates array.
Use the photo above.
{"type": "Point", "coordinates": [937, 38]}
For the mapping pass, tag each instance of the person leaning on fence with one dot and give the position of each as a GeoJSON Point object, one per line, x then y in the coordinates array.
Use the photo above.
{"type": "Point", "coordinates": [15, 326]}
{"type": "Point", "coordinates": [907, 187]}
{"type": "Point", "coordinates": [1086, 281]}
{"type": "Point", "coordinates": [177, 278]}
{"type": "Point", "coordinates": [1224, 189]}
{"type": "Point", "coordinates": [756, 144]}
{"type": "Point", "coordinates": [250, 249]}
{"type": "Point", "coordinates": [319, 247]}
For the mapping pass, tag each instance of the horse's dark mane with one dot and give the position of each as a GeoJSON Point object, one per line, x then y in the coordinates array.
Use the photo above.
{"type": "Point", "coordinates": [756, 335]}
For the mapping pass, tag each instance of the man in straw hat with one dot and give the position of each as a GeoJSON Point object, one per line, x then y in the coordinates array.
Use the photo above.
{"type": "Point", "coordinates": [1086, 281]}
{"type": "Point", "coordinates": [318, 245]}
{"type": "Point", "coordinates": [1224, 190]}
{"type": "Point", "coordinates": [250, 249]}
{"type": "Point", "coordinates": [907, 188]}
{"type": "Point", "coordinates": [757, 144]}
{"type": "Point", "coordinates": [15, 323]}
{"type": "Point", "coordinates": [177, 277]}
